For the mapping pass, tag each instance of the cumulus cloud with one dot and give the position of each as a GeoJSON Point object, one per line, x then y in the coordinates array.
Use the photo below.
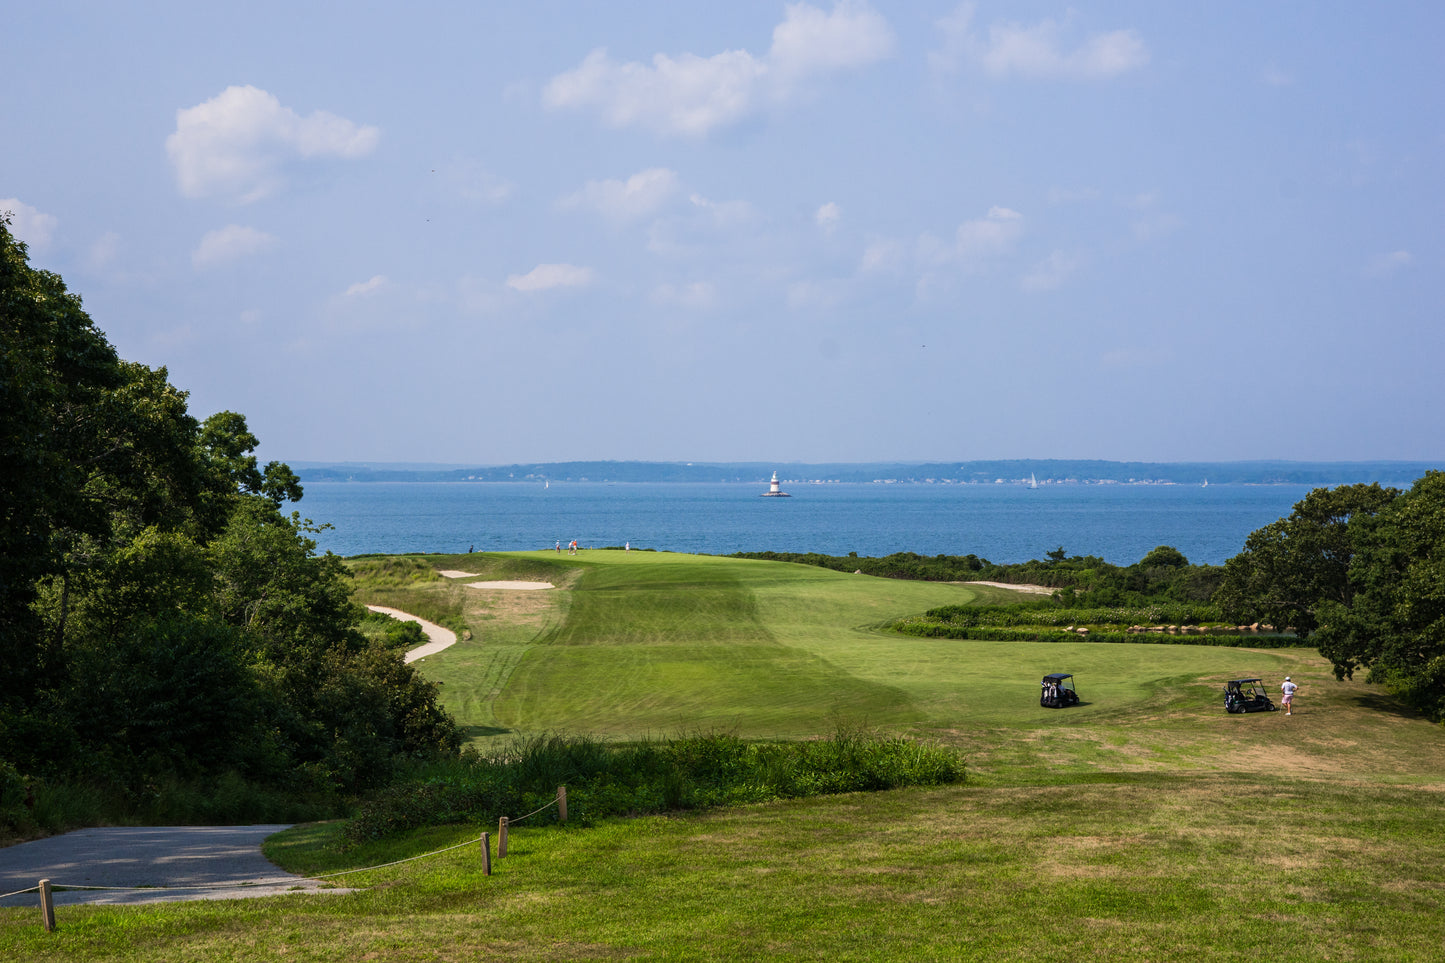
{"type": "Point", "coordinates": [240, 144]}
{"type": "Point", "coordinates": [362, 289]}
{"type": "Point", "coordinates": [34, 227]}
{"type": "Point", "coordinates": [882, 255]}
{"type": "Point", "coordinates": [230, 243]}
{"type": "Point", "coordinates": [1384, 265]}
{"type": "Point", "coordinates": [828, 215]}
{"type": "Point", "coordinates": [696, 296]}
{"type": "Point", "coordinates": [691, 95]}
{"type": "Point", "coordinates": [1051, 272]}
{"type": "Point", "coordinates": [544, 277]}
{"type": "Point", "coordinates": [987, 236]}
{"type": "Point", "coordinates": [1047, 50]}
{"type": "Point", "coordinates": [639, 196]}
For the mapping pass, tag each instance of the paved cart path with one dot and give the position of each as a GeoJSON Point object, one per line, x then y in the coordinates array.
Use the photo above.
{"type": "Point", "coordinates": [149, 864]}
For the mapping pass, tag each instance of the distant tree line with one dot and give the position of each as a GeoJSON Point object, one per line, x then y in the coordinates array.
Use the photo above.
{"type": "Point", "coordinates": [162, 620]}
{"type": "Point", "coordinates": [1162, 574]}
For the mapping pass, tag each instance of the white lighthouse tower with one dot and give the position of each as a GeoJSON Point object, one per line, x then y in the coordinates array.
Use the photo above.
{"type": "Point", "coordinates": [773, 491]}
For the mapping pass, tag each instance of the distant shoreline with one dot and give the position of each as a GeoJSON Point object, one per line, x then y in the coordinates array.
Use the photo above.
{"type": "Point", "coordinates": [1049, 473]}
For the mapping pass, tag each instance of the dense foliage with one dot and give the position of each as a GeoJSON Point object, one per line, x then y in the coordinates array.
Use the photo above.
{"type": "Point", "coordinates": [1050, 621]}
{"type": "Point", "coordinates": [161, 619]}
{"type": "Point", "coordinates": [692, 772]}
{"type": "Point", "coordinates": [1163, 574]}
{"type": "Point", "coordinates": [1361, 570]}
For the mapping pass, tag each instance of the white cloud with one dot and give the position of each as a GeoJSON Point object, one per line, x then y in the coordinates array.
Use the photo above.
{"type": "Point", "coordinates": [239, 144]}
{"type": "Point", "coordinates": [882, 255]}
{"type": "Point", "coordinates": [1384, 265]}
{"type": "Point", "coordinates": [706, 228]}
{"type": "Point", "coordinates": [34, 227]}
{"type": "Point", "coordinates": [475, 183]}
{"type": "Point", "coordinates": [1046, 50]}
{"type": "Point", "coordinates": [810, 42]}
{"type": "Point", "coordinates": [988, 236]}
{"type": "Point", "coordinates": [1051, 272]}
{"type": "Point", "coordinates": [544, 277]}
{"type": "Point", "coordinates": [230, 243]}
{"type": "Point", "coordinates": [828, 216]}
{"type": "Point", "coordinates": [697, 296]}
{"type": "Point", "coordinates": [639, 196]}
{"type": "Point", "coordinates": [363, 289]}
{"type": "Point", "coordinates": [724, 213]}
{"type": "Point", "coordinates": [692, 95]}
{"type": "Point", "coordinates": [817, 295]}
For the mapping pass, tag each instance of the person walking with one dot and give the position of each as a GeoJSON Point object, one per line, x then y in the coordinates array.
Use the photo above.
{"type": "Point", "coordinates": [1288, 689]}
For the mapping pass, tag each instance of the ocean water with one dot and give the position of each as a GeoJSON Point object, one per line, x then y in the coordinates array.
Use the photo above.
{"type": "Point", "coordinates": [1002, 523]}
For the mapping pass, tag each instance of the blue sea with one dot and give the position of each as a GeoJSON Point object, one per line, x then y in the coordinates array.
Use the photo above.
{"type": "Point", "coordinates": [1003, 523]}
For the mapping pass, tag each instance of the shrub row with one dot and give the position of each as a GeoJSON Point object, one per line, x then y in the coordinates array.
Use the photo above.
{"type": "Point", "coordinates": [929, 629]}
{"type": "Point", "coordinates": [694, 772]}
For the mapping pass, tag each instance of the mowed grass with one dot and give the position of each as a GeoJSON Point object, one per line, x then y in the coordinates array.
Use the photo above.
{"type": "Point", "coordinates": [1145, 824]}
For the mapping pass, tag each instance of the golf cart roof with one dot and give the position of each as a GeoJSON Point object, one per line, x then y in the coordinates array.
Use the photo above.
{"type": "Point", "coordinates": [1059, 676]}
{"type": "Point", "coordinates": [1242, 681]}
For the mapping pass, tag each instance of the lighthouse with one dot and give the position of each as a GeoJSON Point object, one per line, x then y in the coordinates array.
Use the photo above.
{"type": "Point", "coordinates": [773, 491]}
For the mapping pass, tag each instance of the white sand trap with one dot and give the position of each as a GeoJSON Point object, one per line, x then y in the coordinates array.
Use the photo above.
{"type": "Point", "coordinates": [453, 573]}
{"type": "Point", "coordinates": [516, 586]}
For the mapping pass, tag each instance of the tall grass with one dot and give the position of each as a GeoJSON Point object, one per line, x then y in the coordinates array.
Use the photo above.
{"type": "Point", "coordinates": [691, 772]}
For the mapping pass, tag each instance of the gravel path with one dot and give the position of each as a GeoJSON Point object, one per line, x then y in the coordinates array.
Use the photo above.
{"type": "Point", "coordinates": [149, 864]}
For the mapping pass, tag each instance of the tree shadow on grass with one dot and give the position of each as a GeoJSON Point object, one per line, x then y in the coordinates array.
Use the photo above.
{"type": "Point", "coordinates": [1385, 703]}
{"type": "Point", "coordinates": [482, 732]}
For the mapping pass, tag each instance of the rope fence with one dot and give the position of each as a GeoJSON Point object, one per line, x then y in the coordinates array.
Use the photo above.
{"type": "Point", "coordinates": [46, 888]}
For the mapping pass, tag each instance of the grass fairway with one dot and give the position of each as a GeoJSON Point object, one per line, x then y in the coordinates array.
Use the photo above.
{"type": "Point", "coordinates": [1145, 824]}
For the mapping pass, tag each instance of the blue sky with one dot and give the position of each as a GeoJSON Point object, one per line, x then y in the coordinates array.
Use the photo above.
{"type": "Point", "coordinates": [488, 233]}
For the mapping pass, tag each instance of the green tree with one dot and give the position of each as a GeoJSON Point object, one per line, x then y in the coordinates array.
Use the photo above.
{"type": "Point", "coordinates": [55, 369]}
{"type": "Point", "coordinates": [1394, 623]}
{"type": "Point", "coordinates": [1292, 566]}
{"type": "Point", "coordinates": [159, 615]}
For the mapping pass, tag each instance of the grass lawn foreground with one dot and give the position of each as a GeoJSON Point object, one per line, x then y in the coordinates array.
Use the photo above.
{"type": "Point", "coordinates": [1145, 823]}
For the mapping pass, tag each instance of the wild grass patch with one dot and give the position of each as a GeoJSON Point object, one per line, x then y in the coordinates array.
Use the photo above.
{"type": "Point", "coordinates": [655, 776]}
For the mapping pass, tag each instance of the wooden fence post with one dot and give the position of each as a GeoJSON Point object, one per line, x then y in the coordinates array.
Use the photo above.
{"type": "Point", "coordinates": [561, 804]}
{"type": "Point", "coordinates": [47, 906]}
{"type": "Point", "coordinates": [501, 837]}
{"type": "Point", "coordinates": [486, 854]}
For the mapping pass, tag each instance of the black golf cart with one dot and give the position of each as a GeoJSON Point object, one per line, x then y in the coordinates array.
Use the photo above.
{"type": "Point", "coordinates": [1058, 691]}
{"type": "Point", "coordinates": [1246, 695]}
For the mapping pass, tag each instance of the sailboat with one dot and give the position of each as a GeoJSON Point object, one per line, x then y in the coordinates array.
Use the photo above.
{"type": "Point", "coordinates": [1206, 483]}
{"type": "Point", "coordinates": [1033, 482]}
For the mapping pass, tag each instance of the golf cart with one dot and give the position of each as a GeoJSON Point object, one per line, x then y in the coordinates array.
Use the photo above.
{"type": "Point", "coordinates": [1058, 691]}
{"type": "Point", "coordinates": [1246, 695]}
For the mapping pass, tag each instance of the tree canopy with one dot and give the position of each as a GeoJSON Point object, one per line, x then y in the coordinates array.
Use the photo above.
{"type": "Point", "coordinates": [1361, 569]}
{"type": "Point", "coordinates": [160, 616]}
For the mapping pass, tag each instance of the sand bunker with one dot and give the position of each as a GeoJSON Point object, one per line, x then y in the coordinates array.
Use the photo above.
{"type": "Point", "coordinates": [453, 573]}
{"type": "Point", "coordinates": [522, 586]}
